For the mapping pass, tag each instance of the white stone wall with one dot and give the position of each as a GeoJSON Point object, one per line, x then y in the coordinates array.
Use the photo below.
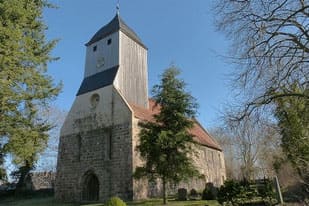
{"type": "Point", "coordinates": [110, 109]}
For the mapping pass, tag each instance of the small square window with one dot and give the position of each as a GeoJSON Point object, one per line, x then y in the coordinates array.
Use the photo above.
{"type": "Point", "coordinates": [94, 48]}
{"type": "Point", "coordinates": [109, 41]}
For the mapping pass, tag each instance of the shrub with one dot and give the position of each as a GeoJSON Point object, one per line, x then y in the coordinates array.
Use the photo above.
{"type": "Point", "coordinates": [210, 192]}
{"type": "Point", "coordinates": [115, 201]}
{"type": "Point", "coordinates": [244, 192]}
{"type": "Point", "coordinates": [249, 189]}
{"type": "Point", "coordinates": [266, 191]}
{"type": "Point", "coordinates": [230, 192]}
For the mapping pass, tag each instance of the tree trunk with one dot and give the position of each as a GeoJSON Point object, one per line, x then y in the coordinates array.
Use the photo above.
{"type": "Point", "coordinates": [164, 190]}
{"type": "Point", "coordinates": [21, 184]}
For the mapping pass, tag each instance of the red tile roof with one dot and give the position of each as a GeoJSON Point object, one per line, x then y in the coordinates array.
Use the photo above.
{"type": "Point", "coordinates": [201, 136]}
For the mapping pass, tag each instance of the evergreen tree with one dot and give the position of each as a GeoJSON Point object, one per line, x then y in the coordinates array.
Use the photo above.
{"type": "Point", "coordinates": [166, 144]}
{"type": "Point", "coordinates": [293, 120]}
{"type": "Point", "coordinates": [24, 86]}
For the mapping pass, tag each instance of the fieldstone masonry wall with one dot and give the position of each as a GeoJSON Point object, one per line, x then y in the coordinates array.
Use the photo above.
{"type": "Point", "coordinates": [209, 162]}
{"type": "Point", "coordinates": [140, 187]}
{"type": "Point", "coordinates": [79, 157]}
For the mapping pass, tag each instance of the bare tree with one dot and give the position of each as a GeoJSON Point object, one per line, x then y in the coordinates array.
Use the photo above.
{"type": "Point", "coordinates": [270, 46]}
{"type": "Point", "coordinates": [250, 147]}
{"type": "Point", "coordinates": [270, 150]}
{"type": "Point", "coordinates": [48, 159]}
{"type": "Point", "coordinates": [247, 139]}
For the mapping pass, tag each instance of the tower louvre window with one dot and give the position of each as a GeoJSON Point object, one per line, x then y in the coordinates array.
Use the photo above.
{"type": "Point", "coordinates": [94, 48]}
{"type": "Point", "coordinates": [109, 41]}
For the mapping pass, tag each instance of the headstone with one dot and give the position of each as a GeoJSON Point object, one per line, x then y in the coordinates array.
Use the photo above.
{"type": "Point", "coordinates": [182, 194]}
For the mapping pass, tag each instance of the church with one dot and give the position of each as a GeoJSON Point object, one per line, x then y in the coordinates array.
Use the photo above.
{"type": "Point", "coordinates": [97, 155]}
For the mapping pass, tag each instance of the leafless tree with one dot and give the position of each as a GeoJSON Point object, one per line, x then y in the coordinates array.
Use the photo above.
{"type": "Point", "coordinates": [247, 139]}
{"type": "Point", "coordinates": [250, 147]}
{"type": "Point", "coordinates": [270, 47]}
{"type": "Point", "coordinates": [48, 159]}
{"type": "Point", "coordinates": [270, 150]}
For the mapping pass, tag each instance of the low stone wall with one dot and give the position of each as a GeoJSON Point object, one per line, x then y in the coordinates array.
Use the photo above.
{"type": "Point", "coordinates": [40, 180]}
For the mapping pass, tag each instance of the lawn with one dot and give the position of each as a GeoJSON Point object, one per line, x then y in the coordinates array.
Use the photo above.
{"type": "Point", "coordinates": [49, 201]}
{"type": "Point", "coordinates": [175, 203]}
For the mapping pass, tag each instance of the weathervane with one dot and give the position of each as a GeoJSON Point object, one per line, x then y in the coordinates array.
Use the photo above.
{"type": "Point", "coordinates": [118, 7]}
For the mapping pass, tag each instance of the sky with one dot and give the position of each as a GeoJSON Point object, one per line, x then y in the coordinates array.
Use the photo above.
{"type": "Point", "coordinates": [178, 32]}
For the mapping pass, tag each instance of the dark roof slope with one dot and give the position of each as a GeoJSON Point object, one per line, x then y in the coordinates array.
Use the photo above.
{"type": "Point", "coordinates": [201, 136]}
{"type": "Point", "coordinates": [114, 25]}
{"type": "Point", "coordinates": [98, 80]}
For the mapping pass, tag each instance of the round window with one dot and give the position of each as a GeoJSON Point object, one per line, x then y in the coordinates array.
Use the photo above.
{"type": "Point", "coordinates": [94, 100]}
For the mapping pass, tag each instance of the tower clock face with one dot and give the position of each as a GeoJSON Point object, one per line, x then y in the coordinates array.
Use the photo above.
{"type": "Point", "coordinates": [100, 62]}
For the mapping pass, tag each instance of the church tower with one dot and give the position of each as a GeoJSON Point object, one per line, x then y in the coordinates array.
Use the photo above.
{"type": "Point", "coordinates": [95, 159]}
{"type": "Point", "coordinates": [116, 55]}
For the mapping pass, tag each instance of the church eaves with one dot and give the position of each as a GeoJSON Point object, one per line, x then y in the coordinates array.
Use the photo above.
{"type": "Point", "coordinates": [116, 24]}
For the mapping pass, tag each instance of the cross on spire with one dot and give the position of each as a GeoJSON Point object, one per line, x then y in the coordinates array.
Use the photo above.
{"type": "Point", "coordinates": [118, 7]}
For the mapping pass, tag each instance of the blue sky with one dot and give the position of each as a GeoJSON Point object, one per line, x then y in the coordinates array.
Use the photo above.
{"type": "Point", "coordinates": [175, 31]}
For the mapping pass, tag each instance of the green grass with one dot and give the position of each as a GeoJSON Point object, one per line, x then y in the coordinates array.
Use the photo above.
{"type": "Point", "coordinates": [49, 201]}
{"type": "Point", "coordinates": [37, 201]}
{"type": "Point", "coordinates": [158, 202]}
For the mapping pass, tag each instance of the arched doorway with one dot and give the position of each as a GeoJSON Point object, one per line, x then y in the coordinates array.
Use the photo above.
{"type": "Point", "coordinates": [91, 187]}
